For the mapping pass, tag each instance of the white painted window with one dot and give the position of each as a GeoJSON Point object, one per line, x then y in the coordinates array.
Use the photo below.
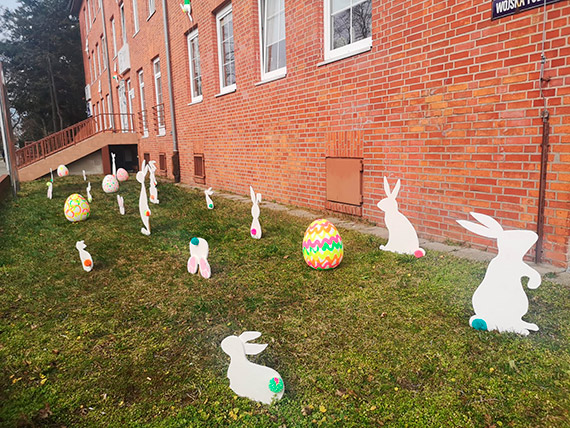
{"type": "Point", "coordinates": [272, 37]}
{"type": "Point", "coordinates": [151, 7]}
{"type": "Point", "coordinates": [226, 60]}
{"type": "Point", "coordinates": [104, 44]}
{"type": "Point", "coordinates": [98, 48]}
{"type": "Point", "coordinates": [136, 16]}
{"type": "Point", "coordinates": [130, 96]}
{"type": "Point", "coordinates": [158, 93]}
{"type": "Point", "coordinates": [110, 110]}
{"type": "Point", "coordinates": [195, 71]}
{"type": "Point", "coordinates": [104, 114]}
{"type": "Point", "coordinates": [123, 25]}
{"type": "Point", "coordinates": [114, 34]}
{"type": "Point", "coordinates": [89, 14]}
{"type": "Point", "coordinates": [143, 111]}
{"type": "Point", "coordinates": [348, 27]}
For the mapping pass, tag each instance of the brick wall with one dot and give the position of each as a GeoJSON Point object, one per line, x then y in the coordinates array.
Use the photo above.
{"type": "Point", "coordinates": [446, 99]}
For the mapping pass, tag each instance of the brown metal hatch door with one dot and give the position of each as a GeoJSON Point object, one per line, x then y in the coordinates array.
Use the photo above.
{"type": "Point", "coordinates": [344, 180]}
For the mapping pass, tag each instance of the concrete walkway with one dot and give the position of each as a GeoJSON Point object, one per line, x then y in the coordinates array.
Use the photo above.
{"type": "Point", "coordinates": [3, 169]}
{"type": "Point", "coordinates": [556, 275]}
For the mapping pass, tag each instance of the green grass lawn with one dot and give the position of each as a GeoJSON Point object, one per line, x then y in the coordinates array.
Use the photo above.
{"type": "Point", "coordinates": [383, 340]}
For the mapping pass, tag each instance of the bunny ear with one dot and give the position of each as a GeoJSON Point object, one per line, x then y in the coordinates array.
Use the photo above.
{"type": "Point", "coordinates": [143, 166]}
{"type": "Point", "coordinates": [386, 186]}
{"type": "Point", "coordinates": [253, 348]}
{"type": "Point", "coordinates": [246, 336]}
{"type": "Point", "coordinates": [488, 221]}
{"type": "Point", "coordinates": [478, 229]}
{"type": "Point", "coordinates": [252, 193]}
{"type": "Point", "coordinates": [205, 270]}
{"type": "Point", "coordinates": [396, 189]}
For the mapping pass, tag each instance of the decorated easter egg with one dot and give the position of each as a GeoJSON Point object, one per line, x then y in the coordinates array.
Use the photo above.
{"type": "Point", "coordinates": [110, 184]}
{"type": "Point", "coordinates": [76, 208]}
{"type": "Point", "coordinates": [122, 174]}
{"type": "Point", "coordinates": [322, 245]}
{"type": "Point", "coordinates": [62, 171]}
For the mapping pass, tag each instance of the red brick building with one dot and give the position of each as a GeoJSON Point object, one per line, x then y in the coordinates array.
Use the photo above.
{"type": "Point", "coordinates": [289, 96]}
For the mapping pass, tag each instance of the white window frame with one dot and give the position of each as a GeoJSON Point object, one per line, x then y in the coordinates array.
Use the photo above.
{"type": "Point", "coordinates": [88, 13]}
{"type": "Point", "coordinates": [151, 8]}
{"type": "Point", "coordinates": [344, 51]}
{"type": "Point", "coordinates": [140, 75]}
{"type": "Point", "coordinates": [221, 15]}
{"type": "Point", "coordinates": [123, 23]}
{"type": "Point", "coordinates": [136, 16]}
{"type": "Point", "coordinates": [98, 49]}
{"type": "Point", "coordinates": [104, 46]}
{"type": "Point", "coordinates": [110, 111]}
{"type": "Point", "coordinates": [129, 103]}
{"type": "Point", "coordinates": [161, 128]}
{"type": "Point", "coordinates": [280, 72]}
{"type": "Point", "coordinates": [193, 35]}
{"type": "Point", "coordinates": [104, 113]}
{"type": "Point", "coordinates": [114, 34]}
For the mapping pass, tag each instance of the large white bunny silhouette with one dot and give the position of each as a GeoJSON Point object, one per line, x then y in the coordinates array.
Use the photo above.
{"type": "Point", "coordinates": [248, 379]}
{"type": "Point", "coordinates": [121, 202]}
{"type": "Point", "coordinates": [144, 209]}
{"type": "Point", "coordinates": [86, 259]}
{"type": "Point", "coordinates": [255, 229]}
{"type": "Point", "coordinates": [500, 301]}
{"type": "Point", "coordinates": [402, 237]}
{"type": "Point", "coordinates": [199, 257]}
{"type": "Point", "coordinates": [209, 192]}
{"type": "Point", "coordinates": [153, 192]}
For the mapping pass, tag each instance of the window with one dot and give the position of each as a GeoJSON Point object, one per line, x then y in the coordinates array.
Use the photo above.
{"type": "Point", "coordinates": [136, 16]}
{"type": "Point", "coordinates": [158, 93]}
{"type": "Point", "coordinates": [98, 48]}
{"type": "Point", "coordinates": [195, 72]}
{"type": "Point", "coordinates": [110, 110]}
{"type": "Point", "coordinates": [272, 35]}
{"type": "Point", "coordinates": [226, 62]}
{"type": "Point", "coordinates": [348, 27]}
{"type": "Point", "coordinates": [151, 8]}
{"type": "Point", "coordinates": [130, 96]}
{"type": "Point", "coordinates": [162, 161]}
{"type": "Point", "coordinates": [89, 14]}
{"type": "Point", "coordinates": [114, 34]}
{"type": "Point", "coordinates": [104, 114]}
{"type": "Point", "coordinates": [123, 27]}
{"type": "Point", "coordinates": [143, 117]}
{"type": "Point", "coordinates": [104, 44]}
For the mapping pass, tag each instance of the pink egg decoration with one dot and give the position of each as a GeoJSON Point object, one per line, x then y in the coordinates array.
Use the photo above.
{"type": "Point", "coordinates": [110, 184]}
{"type": "Point", "coordinates": [62, 171]}
{"type": "Point", "coordinates": [122, 174]}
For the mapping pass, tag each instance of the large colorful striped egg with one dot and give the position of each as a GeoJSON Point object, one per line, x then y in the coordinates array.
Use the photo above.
{"type": "Point", "coordinates": [322, 245]}
{"type": "Point", "coordinates": [76, 208]}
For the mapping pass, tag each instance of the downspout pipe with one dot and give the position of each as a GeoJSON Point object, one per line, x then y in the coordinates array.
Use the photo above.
{"type": "Point", "coordinates": [542, 185]}
{"type": "Point", "coordinates": [175, 154]}
{"type": "Point", "coordinates": [108, 65]}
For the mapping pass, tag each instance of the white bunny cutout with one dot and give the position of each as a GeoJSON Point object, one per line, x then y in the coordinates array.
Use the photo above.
{"type": "Point", "coordinates": [256, 382]}
{"type": "Point", "coordinates": [144, 209]}
{"type": "Point", "coordinates": [255, 229]}
{"type": "Point", "coordinates": [500, 301]}
{"type": "Point", "coordinates": [209, 192]}
{"type": "Point", "coordinates": [402, 237]}
{"type": "Point", "coordinates": [199, 257]}
{"type": "Point", "coordinates": [121, 203]}
{"type": "Point", "coordinates": [89, 197]}
{"type": "Point", "coordinates": [84, 176]}
{"type": "Point", "coordinates": [50, 189]}
{"type": "Point", "coordinates": [86, 260]}
{"type": "Point", "coordinates": [114, 165]}
{"type": "Point", "coordinates": [152, 189]}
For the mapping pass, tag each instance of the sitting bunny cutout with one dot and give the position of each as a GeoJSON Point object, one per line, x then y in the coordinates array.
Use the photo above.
{"type": "Point", "coordinates": [199, 257]}
{"type": "Point", "coordinates": [89, 197]}
{"type": "Point", "coordinates": [49, 185]}
{"type": "Point", "coordinates": [209, 192]}
{"type": "Point", "coordinates": [121, 203]}
{"type": "Point", "coordinates": [86, 260]}
{"type": "Point", "coordinates": [255, 229]}
{"type": "Point", "coordinates": [144, 209]}
{"type": "Point", "coordinates": [258, 383]}
{"type": "Point", "coordinates": [152, 189]}
{"type": "Point", "coordinates": [500, 301]}
{"type": "Point", "coordinates": [402, 237]}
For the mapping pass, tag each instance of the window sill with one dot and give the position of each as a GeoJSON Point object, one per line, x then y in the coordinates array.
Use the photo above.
{"type": "Point", "coordinates": [196, 101]}
{"type": "Point", "coordinates": [161, 133]}
{"type": "Point", "coordinates": [345, 55]}
{"type": "Point", "coordinates": [271, 79]}
{"type": "Point", "coordinates": [227, 90]}
{"type": "Point", "coordinates": [150, 16]}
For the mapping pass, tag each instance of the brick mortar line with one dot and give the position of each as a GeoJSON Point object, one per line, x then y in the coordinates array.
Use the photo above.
{"type": "Point", "coordinates": [561, 277]}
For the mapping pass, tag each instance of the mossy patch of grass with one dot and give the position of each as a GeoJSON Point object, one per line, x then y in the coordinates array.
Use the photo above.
{"type": "Point", "coordinates": [383, 340]}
